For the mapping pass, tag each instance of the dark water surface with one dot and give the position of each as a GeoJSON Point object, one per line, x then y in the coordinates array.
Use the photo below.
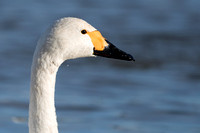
{"type": "Point", "coordinates": [159, 93]}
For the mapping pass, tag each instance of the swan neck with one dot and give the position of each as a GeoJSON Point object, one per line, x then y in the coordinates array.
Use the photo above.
{"type": "Point", "coordinates": [42, 114]}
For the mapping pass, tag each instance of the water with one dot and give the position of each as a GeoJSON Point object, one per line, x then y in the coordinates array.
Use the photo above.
{"type": "Point", "coordinates": [159, 93]}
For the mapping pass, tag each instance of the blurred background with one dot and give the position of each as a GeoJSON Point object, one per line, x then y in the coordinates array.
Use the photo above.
{"type": "Point", "coordinates": [159, 93]}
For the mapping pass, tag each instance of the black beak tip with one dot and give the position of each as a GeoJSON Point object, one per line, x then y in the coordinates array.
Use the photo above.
{"type": "Point", "coordinates": [130, 58]}
{"type": "Point", "coordinates": [113, 52]}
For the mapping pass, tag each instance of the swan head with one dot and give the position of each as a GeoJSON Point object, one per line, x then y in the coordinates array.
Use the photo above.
{"type": "Point", "coordinates": [71, 38]}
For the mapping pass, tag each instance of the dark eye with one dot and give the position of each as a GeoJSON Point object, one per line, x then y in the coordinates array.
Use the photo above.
{"type": "Point", "coordinates": [83, 31]}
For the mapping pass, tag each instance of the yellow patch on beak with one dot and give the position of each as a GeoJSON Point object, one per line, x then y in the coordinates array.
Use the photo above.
{"type": "Point", "coordinates": [98, 40]}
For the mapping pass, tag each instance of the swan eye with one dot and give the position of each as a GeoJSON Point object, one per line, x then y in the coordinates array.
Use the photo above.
{"type": "Point", "coordinates": [83, 31]}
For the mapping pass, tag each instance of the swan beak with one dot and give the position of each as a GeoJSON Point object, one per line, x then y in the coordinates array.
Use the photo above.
{"type": "Point", "coordinates": [104, 48]}
{"type": "Point", "coordinates": [112, 51]}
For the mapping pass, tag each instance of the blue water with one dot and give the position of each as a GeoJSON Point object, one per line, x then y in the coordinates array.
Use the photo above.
{"type": "Point", "coordinates": [159, 93]}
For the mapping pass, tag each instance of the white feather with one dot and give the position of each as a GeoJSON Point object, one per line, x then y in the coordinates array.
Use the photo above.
{"type": "Point", "coordinates": [62, 41]}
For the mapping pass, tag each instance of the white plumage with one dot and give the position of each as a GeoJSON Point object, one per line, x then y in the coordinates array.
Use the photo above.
{"type": "Point", "coordinates": [62, 41]}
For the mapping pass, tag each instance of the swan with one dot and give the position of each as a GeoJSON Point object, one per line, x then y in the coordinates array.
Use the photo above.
{"type": "Point", "coordinates": [68, 38]}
